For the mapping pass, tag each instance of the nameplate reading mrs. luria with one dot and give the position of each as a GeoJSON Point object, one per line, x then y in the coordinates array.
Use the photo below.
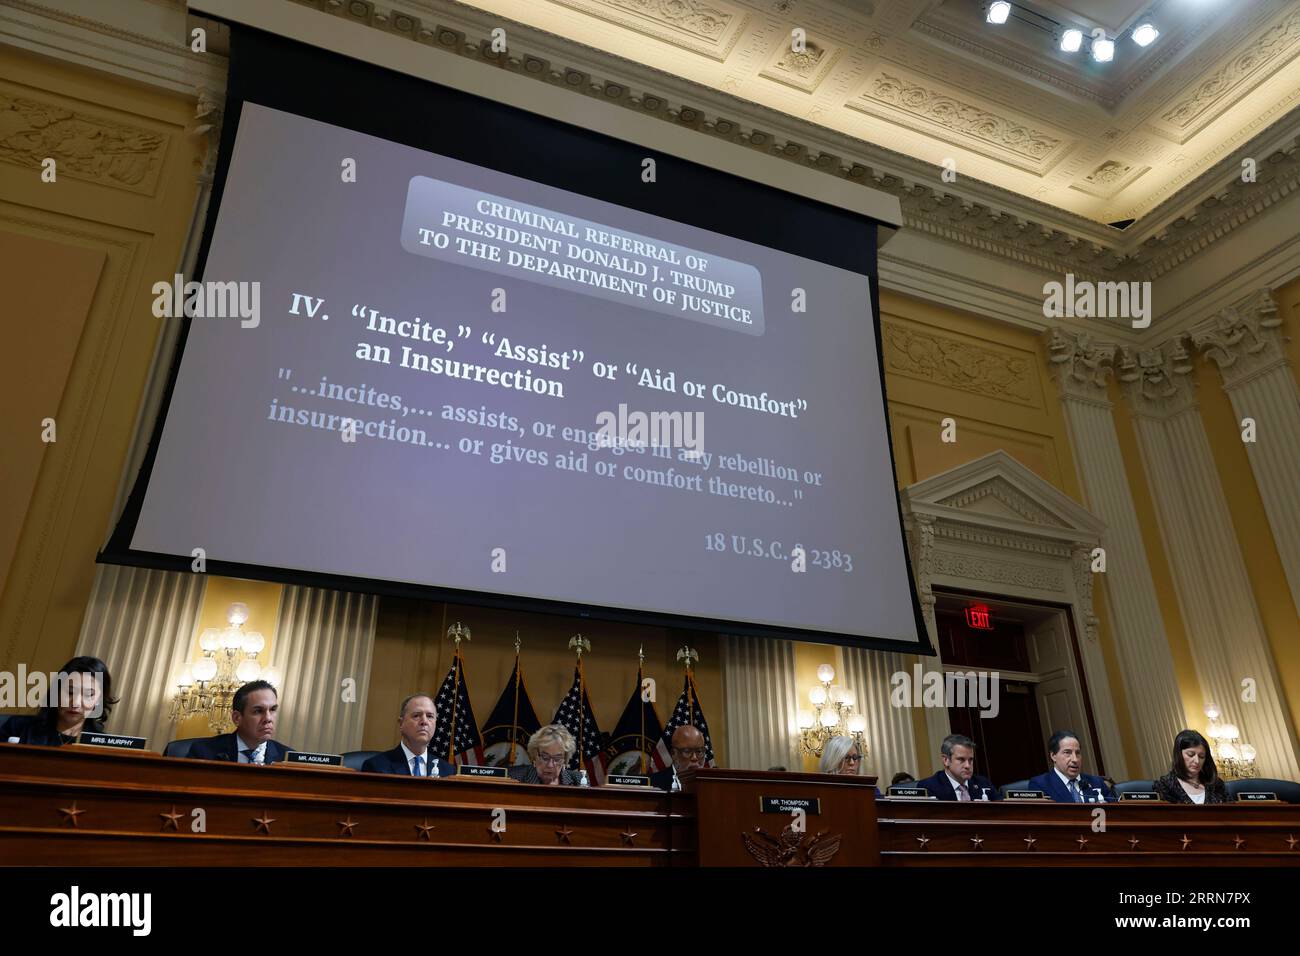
{"type": "Point", "coordinates": [1025, 795]}
{"type": "Point", "coordinates": [474, 770]}
{"type": "Point", "coordinates": [1148, 796]}
{"type": "Point", "coordinates": [1257, 796]}
{"type": "Point", "coordinates": [112, 740]}
{"type": "Point", "coordinates": [628, 780]}
{"type": "Point", "coordinates": [788, 804]}
{"type": "Point", "coordinates": [313, 760]}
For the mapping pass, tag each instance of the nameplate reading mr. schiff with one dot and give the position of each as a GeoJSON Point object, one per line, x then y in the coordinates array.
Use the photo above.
{"type": "Point", "coordinates": [474, 770]}
{"type": "Point", "coordinates": [112, 740]}
{"type": "Point", "coordinates": [313, 760]}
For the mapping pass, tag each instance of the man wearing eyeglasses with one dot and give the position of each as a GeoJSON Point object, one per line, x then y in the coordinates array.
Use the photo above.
{"type": "Point", "coordinates": [688, 754]}
{"type": "Point", "coordinates": [411, 757]}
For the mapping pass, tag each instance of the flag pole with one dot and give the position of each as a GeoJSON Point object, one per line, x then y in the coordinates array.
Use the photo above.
{"type": "Point", "coordinates": [457, 633]}
{"type": "Point", "coordinates": [688, 654]}
{"type": "Point", "coordinates": [640, 683]}
{"type": "Point", "coordinates": [580, 643]}
{"type": "Point", "coordinates": [514, 724]}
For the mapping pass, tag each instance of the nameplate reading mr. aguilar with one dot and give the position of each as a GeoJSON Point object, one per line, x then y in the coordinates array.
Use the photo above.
{"type": "Point", "coordinates": [788, 804]}
{"type": "Point", "coordinates": [313, 760]}
{"type": "Point", "coordinates": [112, 740]}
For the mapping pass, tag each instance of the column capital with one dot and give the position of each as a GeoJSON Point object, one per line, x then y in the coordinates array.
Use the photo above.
{"type": "Point", "coordinates": [1156, 381]}
{"type": "Point", "coordinates": [1244, 340]}
{"type": "Point", "coordinates": [1080, 365]}
{"type": "Point", "coordinates": [209, 112]}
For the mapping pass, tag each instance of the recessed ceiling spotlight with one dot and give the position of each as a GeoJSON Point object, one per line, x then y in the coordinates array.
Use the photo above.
{"type": "Point", "coordinates": [1071, 40]}
{"type": "Point", "coordinates": [1145, 35]}
{"type": "Point", "coordinates": [1103, 50]}
{"type": "Point", "coordinates": [998, 12]}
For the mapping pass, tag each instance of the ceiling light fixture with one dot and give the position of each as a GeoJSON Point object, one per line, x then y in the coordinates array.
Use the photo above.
{"type": "Point", "coordinates": [1103, 50]}
{"type": "Point", "coordinates": [1145, 35]}
{"type": "Point", "coordinates": [1071, 41]}
{"type": "Point", "coordinates": [998, 12]}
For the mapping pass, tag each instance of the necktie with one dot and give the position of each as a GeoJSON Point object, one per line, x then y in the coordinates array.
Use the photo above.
{"type": "Point", "coordinates": [417, 766]}
{"type": "Point", "coordinates": [1074, 791]}
{"type": "Point", "coordinates": [254, 754]}
{"type": "Point", "coordinates": [962, 792]}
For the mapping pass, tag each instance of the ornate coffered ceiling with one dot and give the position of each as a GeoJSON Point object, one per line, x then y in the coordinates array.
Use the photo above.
{"type": "Point", "coordinates": [929, 80]}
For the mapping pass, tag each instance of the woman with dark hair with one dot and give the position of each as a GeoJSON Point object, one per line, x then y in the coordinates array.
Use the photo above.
{"type": "Point", "coordinates": [1193, 777]}
{"type": "Point", "coordinates": [79, 703]}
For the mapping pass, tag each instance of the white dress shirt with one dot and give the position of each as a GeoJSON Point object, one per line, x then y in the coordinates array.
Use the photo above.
{"type": "Point", "coordinates": [410, 760]}
{"type": "Point", "coordinates": [245, 745]}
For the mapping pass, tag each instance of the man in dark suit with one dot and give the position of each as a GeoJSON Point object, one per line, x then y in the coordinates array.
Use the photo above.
{"type": "Point", "coordinates": [253, 710]}
{"type": "Point", "coordinates": [958, 780]}
{"type": "Point", "coordinates": [1066, 782]}
{"type": "Point", "coordinates": [416, 722]}
{"type": "Point", "coordinates": [688, 754]}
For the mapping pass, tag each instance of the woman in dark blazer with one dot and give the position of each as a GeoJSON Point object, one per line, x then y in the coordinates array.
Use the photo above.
{"type": "Point", "coordinates": [86, 690]}
{"type": "Point", "coordinates": [1193, 777]}
{"type": "Point", "coordinates": [550, 749]}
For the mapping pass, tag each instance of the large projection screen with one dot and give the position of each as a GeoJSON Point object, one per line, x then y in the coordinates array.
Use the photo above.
{"type": "Point", "coordinates": [470, 353]}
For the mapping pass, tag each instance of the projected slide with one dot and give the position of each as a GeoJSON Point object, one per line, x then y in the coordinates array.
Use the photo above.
{"type": "Point", "coordinates": [435, 373]}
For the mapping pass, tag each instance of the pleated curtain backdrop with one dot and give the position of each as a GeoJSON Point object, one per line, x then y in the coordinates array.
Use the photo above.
{"type": "Point", "coordinates": [323, 640]}
{"type": "Point", "coordinates": [762, 712]}
{"type": "Point", "coordinates": [141, 623]}
{"type": "Point", "coordinates": [891, 742]}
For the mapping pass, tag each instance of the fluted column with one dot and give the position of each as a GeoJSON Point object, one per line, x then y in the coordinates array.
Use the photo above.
{"type": "Point", "coordinates": [1245, 343]}
{"type": "Point", "coordinates": [762, 709]}
{"type": "Point", "coordinates": [1224, 629]}
{"type": "Point", "coordinates": [322, 640]}
{"type": "Point", "coordinates": [1082, 368]}
{"type": "Point", "coordinates": [891, 743]}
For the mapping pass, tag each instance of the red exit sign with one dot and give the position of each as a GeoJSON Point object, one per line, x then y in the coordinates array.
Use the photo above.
{"type": "Point", "coordinates": [978, 616]}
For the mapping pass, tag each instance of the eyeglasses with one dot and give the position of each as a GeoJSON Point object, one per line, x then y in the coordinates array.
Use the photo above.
{"type": "Point", "coordinates": [853, 758]}
{"type": "Point", "coordinates": [692, 753]}
{"type": "Point", "coordinates": [550, 758]}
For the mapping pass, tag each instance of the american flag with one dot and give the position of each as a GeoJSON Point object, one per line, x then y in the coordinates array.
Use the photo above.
{"type": "Point", "coordinates": [638, 733]}
{"type": "Point", "coordinates": [455, 715]}
{"type": "Point", "coordinates": [574, 713]}
{"type": "Point", "coordinates": [688, 712]}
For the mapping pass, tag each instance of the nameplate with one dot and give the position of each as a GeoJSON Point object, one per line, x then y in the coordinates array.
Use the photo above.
{"type": "Point", "coordinates": [313, 760]}
{"type": "Point", "coordinates": [628, 780]}
{"type": "Point", "coordinates": [1025, 795]}
{"type": "Point", "coordinates": [474, 770]}
{"type": "Point", "coordinates": [910, 793]}
{"type": "Point", "coordinates": [790, 804]}
{"type": "Point", "coordinates": [1149, 796]}
{"type": "Point", "coordinates": [1257, 796]}
{"type": "Point", "coordinates": [112, 740]}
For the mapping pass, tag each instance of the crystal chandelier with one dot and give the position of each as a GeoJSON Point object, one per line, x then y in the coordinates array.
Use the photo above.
{"type": "Point", "coordinates": [833, 716]}
{"type": "Point", "coordinates": [207, 687]}
{"type": "Point", "coordinates": [1235, 760]}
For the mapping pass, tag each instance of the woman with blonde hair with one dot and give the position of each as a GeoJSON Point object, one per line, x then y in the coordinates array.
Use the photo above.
{"type": "Point", "coordinates": [841, 756]}
{"type": "Point", "coordinates": [550, 749]}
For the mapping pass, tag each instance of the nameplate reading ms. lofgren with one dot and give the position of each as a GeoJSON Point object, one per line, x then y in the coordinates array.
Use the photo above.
{"type": "Point", "coordinates": [314, 760]}
{"type": "Point", "coordinates": [628, 780]}
{"type": "Point", "coordinates": [788, 804]}
{"type": "Point", "coordinates": [112, 740]}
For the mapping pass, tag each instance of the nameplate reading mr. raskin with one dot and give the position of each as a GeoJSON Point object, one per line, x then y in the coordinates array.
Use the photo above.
{"type": "Point", "coordinates": [112, 740]}
{"type": "Point", "coordinates": [314, 760]}
{"type": "Point", "coordinates": [1146, 796]}
{"type": "Point", "coordinates": [790, 804]}
{"type": "Point", "coordinates": [474, 770]}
